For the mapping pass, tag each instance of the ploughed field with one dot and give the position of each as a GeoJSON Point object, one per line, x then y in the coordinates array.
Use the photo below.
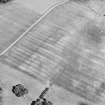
{"type": "Point", "coordinates": [66, 48]}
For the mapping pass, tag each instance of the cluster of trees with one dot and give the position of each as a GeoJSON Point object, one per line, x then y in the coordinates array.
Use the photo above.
{"type": "Point", "coordinates": [19, 90]}
{"type": "Point", "coordinates": [4, 1]}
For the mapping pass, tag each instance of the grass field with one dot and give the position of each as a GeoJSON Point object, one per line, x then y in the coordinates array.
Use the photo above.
{"type": "Point", "coordinates": [14, 20]}
{"type": "Point", "coordinates": [38, 5]}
